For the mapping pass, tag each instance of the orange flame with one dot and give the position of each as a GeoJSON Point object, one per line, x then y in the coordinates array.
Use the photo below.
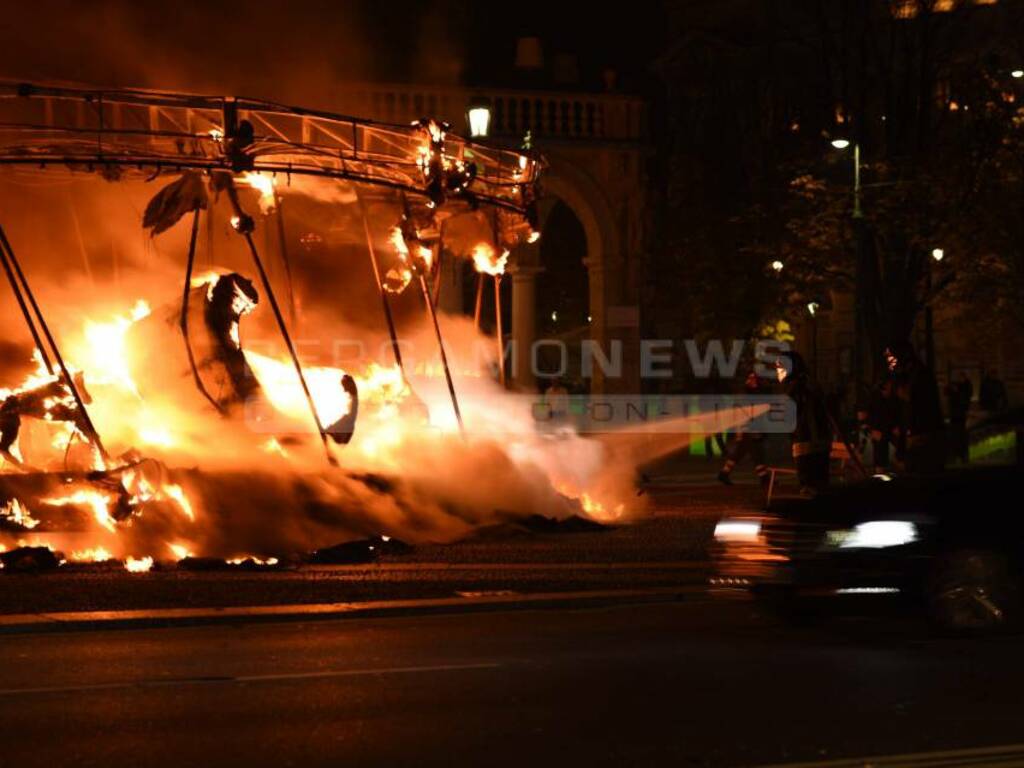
{"type": "Point", "coordinates": [265, 186]}
{"type": "Point", "coordinates": [138, 565]}
{"type": "Point", "coordinates": [487, 261]}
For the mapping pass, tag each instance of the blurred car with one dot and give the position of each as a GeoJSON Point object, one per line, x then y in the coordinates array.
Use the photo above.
{"type": "Point", "coordinates": [950, 546]}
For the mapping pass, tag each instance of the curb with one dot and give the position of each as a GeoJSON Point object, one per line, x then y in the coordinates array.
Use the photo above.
{"type": "Point", "coordinates": [31, 623]}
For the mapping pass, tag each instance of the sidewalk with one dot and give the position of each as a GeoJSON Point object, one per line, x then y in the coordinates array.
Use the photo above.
{"type": "Point", "coordinates": [69, 621]}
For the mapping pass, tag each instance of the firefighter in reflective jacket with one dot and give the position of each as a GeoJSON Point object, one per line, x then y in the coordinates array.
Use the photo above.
{"type": "Point", "coordinates": [746, 442]}
{"type": "Point", "coordinates": [812, 437]}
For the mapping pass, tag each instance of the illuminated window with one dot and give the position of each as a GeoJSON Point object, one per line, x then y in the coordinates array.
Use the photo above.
{"type": "Point", "coordinates": [904, 9]}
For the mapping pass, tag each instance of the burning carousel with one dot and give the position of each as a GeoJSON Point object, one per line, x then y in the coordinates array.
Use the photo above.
{"type": "Point", "coordinates": [158, 430]}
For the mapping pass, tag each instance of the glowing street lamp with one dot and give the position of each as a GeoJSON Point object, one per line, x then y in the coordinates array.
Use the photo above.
{"type": "Point", "coordinates": [777, 266]}
{"type": "Point", "coordinates": [479, 117]}
{"type": "Point", "coordinates": [938, 254]}
{"type": "Point", "coordinates": [840, 143]}
{"type": "Point", "coordinates": [813, 307]}
{"type": "Point", "coordinates": [1017, 74]}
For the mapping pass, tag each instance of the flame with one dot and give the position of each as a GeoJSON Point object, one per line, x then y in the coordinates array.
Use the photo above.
{"type": "Point", "coordinates": [424, 252]}
{"type": "Point", "coordinates": [487, 261]}
{"type": "Point", "coordinates": [138, 565]}
{"type": "Point", "coordinates": [98, 502]}
{"type": "Point", "coordinates": [207, 278]}
{"type": "Point", "coordinates": [254, 559]}
{"type": "Point", "coordinates": [398, 241]}
{"type": "Point", "coordinates": [273, 446]}
{"type": "Point", "coordinates": [596, 509]}
{"type": "Point", "coordinates": [160, 436]}
{"type": "Point", "coordinates": [176, 494]}
{"type": "Point", "coordinates": [94, 555]}
{"type": "Point", "coordinates": [281, 385]}
{"type": "Point", "coordinates": [104, 354]}
{"type": "Point", "coordinates": [265, 186]}
{"type": "Point", "coordinates": [180, 551]}
{"type": "Point", "coordinates": [16, 512]}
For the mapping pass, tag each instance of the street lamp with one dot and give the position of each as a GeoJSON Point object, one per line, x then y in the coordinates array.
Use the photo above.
{"type": "Point", "coordinates": [1017, 74]}
{"type": "Point", "coordinates": [479, 117]}
{"type": "Point", "coordinates": [938, 254]}
{"type": "Point", "coordinates": [777, 266]}
{"type": "Point", "coordinates": [812, 309]}
{"type": "Point", "coordinates": [860, 283]}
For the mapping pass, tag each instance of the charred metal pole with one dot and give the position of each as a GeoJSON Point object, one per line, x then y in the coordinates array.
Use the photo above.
{"type": "Point", "coordinates": [190, 265]}
{"type": "Point", "coordinates": [25, 311]}
{"type": "Point", "coordinates": [395, 346]}
{"type": "Point", "coordinates": [440, 345]}
{"type": "Point", "coordinates": [93, 435]}
{"type": "Point", "coordinates": [243, 224]}
{"type": "Point", "coordinates": [479, 299]}
{"type": "Point", "coordinates": [499, 330]}
{"type": "Point", "coordinates": [437, 272]}
{"type": "Point", "coordinates": [288, 342]}
{"type": "Point", "coordinates": [283, 244]}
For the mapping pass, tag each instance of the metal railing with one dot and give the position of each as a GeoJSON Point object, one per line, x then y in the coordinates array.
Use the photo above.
{"type": "Point", "coordinates": [557, 115]}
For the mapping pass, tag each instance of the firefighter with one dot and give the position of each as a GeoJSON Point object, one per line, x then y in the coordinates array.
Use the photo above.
{"type": "Point", "coordinates": [746, 442]}
{"type": "Point", "coordinates": [921, 426]}
{"type": "Point", "coordinates": [812, 436]}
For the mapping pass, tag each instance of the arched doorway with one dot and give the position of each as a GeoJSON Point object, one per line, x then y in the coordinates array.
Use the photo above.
{"type": "Point", "coordinates": [562, 312]}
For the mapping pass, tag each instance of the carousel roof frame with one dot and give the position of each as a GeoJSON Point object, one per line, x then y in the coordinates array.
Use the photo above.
{"type": "Point", "coordinates": [155, 132]}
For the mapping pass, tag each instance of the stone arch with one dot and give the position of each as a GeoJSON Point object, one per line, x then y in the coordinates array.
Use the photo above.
{"type": "Point", "coordinates": [582, 194]}
{"type": "Point", "coordinates": [577, 189]}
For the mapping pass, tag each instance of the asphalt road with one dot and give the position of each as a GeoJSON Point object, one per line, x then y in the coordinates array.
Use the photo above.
{"type": "Point", "coordinates": [688, 683]}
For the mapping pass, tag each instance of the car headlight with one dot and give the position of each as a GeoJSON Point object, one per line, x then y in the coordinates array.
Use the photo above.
{"type": "Point", "coordinates": [736, 529]}
{"type": "Point", "coordinates": [875, 534]}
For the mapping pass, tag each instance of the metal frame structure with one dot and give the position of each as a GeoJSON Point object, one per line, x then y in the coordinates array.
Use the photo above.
{"type": "Point", "coordinates": [147, 133]}
{"type": "Point", "coordinates": [152, 132]}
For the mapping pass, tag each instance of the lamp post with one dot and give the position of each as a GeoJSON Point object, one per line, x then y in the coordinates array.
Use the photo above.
{"type": "Point", "coordinates": [478, 116]}
{"type": "Point", "coordinates": [812, 310]}
{"type": "Point", "coordinates": [860, 268]}
{"type": "Point", "coordinates": [929, 328]}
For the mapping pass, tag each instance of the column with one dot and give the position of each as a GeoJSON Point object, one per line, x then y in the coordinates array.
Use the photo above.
{"type": "Point", "coordinates": [524, 323]}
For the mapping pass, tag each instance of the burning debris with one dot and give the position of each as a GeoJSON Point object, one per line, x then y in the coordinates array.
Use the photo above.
{"type": "Point", "coordinates": [209, 452]}
{"type": "Point", "coordinates": [47, 398]}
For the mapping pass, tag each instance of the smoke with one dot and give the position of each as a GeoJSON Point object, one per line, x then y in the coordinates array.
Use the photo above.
{"type": "Point", "coordinates": [294, 55]}
{"type": "Point", "coordinates": [257, 483]}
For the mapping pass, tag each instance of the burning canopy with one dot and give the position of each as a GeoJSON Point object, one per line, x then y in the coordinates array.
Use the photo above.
{"type": "Point", "coordinates": [209, 146]}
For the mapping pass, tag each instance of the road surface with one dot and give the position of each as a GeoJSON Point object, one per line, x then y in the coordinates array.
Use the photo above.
{"type": "Point", "coordinates": [690, 683]}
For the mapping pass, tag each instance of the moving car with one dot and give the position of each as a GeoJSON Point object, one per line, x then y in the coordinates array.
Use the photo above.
{"type": "Point", "coordinates": [950, 546]}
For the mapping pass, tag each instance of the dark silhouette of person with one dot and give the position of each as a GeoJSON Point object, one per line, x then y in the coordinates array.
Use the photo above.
{"type": "Point", "coordinates": [992, 393]}
{"type": "Point", "coordinates": [881, 419]}
{"type": "Point", "coordinates": [812, 436]}
{"type": "Point", "coordinates": [921, 426]}
{"type": "Point", "coordinates": [746, 442]}
{"type": "Point", "coordinates": [958, 398]}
